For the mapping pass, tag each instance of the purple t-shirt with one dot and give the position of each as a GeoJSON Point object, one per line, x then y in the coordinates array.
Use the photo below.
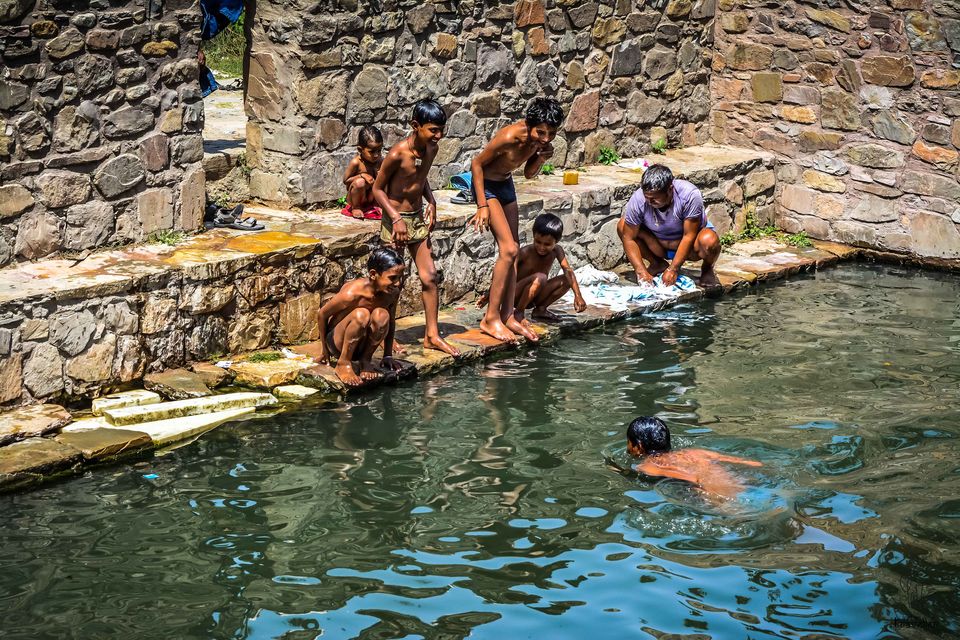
{"type": "Point", "coordinates": [667, 224]}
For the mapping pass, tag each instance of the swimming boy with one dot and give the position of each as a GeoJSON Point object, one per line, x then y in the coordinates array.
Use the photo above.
{"type": "Point", "coordinates": [526, 144]}
{"type": "Point", "coordinates": [400, 189]}
{"type": "Point", "coordinates": [361, 174]}
{"type": "Point", "coordinates": [356, 320]}
{"type": "Point", "coordinates": [534, 286]}
{"type": "Point", "coordinates": [651, 437]}
{"type": "Point", "coordinates": [664, 223]}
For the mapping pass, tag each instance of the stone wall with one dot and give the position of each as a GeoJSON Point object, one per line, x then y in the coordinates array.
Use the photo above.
{"type": "Point", "coordinates": [626, 71]}
{"type": "Point", "coordinates": [861, 101]}
{"type": "Point", "coordinates": [100, 120]}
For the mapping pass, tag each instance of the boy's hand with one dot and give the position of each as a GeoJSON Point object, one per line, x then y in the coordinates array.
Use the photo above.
{"type": "Point", "coordinates": [481, 220]}
{"type": "Point", "coordinates": [400, 233]}
{"type": "Point", "coordinates": [579, 304]}
{"type": "Point", "coordinates": [368, 178]}
{"type": "Point", "coordinates": [389, 363]}
{"type": "Point", "coordinates": [546, 151]}
{"type": "Point", "coordinates": [431, 214]}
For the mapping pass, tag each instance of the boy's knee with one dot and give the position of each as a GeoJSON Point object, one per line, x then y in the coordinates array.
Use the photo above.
{"type": "Point", "coordinates": [361, 316]}
{"type": "Point", "coordinates": [538, 282]}
{"type": "Point", "coordinates": [380, 318]}
{"type": "Point", "coordinates": [428, 277]}
{"type": "Point", "coordinates": [709, 242]}
{"type": "Point", "coordinates": [510, 250]}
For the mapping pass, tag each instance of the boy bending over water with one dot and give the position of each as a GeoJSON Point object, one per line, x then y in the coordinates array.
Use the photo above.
{"type": "Point", "coordinates": [650, 437]}
{"type": "Point", "coordinates": [360, 316]}
{"type": "Point", "coordinates": [525, 144]}
{"type": "Point", "coordinates": [401, 188]}
{"type": "Point", "coordinates": [361, 174]}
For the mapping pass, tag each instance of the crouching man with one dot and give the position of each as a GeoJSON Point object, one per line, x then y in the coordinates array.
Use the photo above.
{"type": "Point", "coordinates": [665, 225]}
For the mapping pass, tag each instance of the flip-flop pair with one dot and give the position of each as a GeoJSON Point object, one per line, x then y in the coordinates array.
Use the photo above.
{"type": "Point", "coordinates": [223, 219]}
{"type": "Point", "coordinates": [371, 213]}
{"type": "Point", "coordinates": [464, 196]}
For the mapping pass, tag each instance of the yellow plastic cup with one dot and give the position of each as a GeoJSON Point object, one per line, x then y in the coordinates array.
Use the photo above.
{"type": "Point", "coordinates": [571, 177]}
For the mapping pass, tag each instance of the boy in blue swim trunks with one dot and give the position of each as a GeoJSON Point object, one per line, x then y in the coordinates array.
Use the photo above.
{"type": "Point", "coordinates": [665, 224]}
{"type": "Point", "coordinates": [522, 144]}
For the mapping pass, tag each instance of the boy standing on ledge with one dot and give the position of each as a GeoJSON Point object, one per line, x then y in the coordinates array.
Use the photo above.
{"type": "Point", "coordinates": [526, 144]}
{"type": "Point", "coordinates": [400, 189]}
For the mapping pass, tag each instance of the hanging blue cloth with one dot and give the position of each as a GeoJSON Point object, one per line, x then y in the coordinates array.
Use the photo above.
{"type": "Point", "coordinates": [218, 15]}
{"type": "Point", "coordinates": [462, 180]}
{"type": "Point", "coordinates": [208, 83]}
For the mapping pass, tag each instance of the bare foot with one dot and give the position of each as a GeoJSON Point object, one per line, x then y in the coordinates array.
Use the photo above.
{"type": "Point", "coordinates": [545, 314]}
{"type": "Point", "coordinates": [482, 301]}
{"type": "Point", "coordinates": [356, 212]}
{"type": "Point", "coordinates": [708, 278]}
{"type": "Point", "coordinates": [440, 344]}
{"type": "Point", "coordinates": [518, 327]}
{"type": "Point", "coordinates": [658, 266]}
{"type": "Point", "coordinates": [369, 372]}
{"type": "Point", "coordinates": [399, 349]}
{"type": "Point", "coordinates": [347, 376]}
{"type": "Point", "coordinates": [498, 331]}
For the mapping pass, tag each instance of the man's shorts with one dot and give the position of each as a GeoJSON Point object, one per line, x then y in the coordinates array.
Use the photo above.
{"type": "Point", "coordinates": [501, 190]}
{"type": "Point", "coordinates": [417, 228]}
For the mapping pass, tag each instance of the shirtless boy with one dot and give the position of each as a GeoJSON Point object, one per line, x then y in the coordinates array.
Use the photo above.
{"type": "Point", "coordinates": [535, 287]}
{"type": "Point", "coordinates": [356, 320]}
{"type": "Point", "coordinates": [526, 144]}
{"type": "Point", "coordinates": [651, 437]}
{"type": "Point", "coordinates": [361, 174]}
{"type": "Point", "coordinates": [400, 189]}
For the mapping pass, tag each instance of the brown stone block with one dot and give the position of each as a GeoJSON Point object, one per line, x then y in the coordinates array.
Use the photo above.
{"type": "Point", "coordinates": [889, 71]}
{"type": "Point", "coordinates": [176, 384]}
{"type": "Point", "coordinates": [832, 19]}
{"type": "Point", "coordinates": [33, 421]}
{"type": "Point", "coordinates": [100, 443]}
{"type": "Point", "coordinates": [537, 40]}
{"type": "Point", "coordinates": [940, 79]}
{"type": "Point", "coordinates": [839, 110]}
{"type": "Point", "coordinates": [734, 21]}
{"type": "Point", "coordinates": [211, 375]}
{"type": "Point", "coordinates": [748, 56]}
{"type": "Point", "coordinates": [939, 156]}
{"type": "Point", "coordinates": [758, 181]}
{"type": "Point", "coordinates": [823, 181]}
{"type": "Point", "coordinates": [29, 461]}
{"type": "Point", "coordinates": [584, 113]}
{"type": "Point", "coordinates": [804, 115]}
{"type": "Point", "coordinates": [767, 87]}
{"type": "Point", "coordinates": [529, 12]}
{"type": "Point", "coordinates": [298, 318]}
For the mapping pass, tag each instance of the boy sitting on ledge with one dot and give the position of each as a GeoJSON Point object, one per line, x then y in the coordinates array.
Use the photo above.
{"type": "Point", "coordinates": [360, 316]}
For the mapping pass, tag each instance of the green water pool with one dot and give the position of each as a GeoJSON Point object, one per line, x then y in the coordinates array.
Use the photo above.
{"type": "Point", "coordinates": [486, 503]}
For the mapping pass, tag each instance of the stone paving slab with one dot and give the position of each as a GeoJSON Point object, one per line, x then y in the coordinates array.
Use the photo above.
{"type": "Point", "coordinates": [169, 431]}
{"type": "Point", "coordinates": [101, 442]}
{"type": "Point", "coordinates": [29, 461]}
{"type": "Point", "coordinates": [32, 421]}
{"type": "Point", "coordinates": [176, 384]}
{"type": "Point", "coordinates": [184, 408]}
{"type": "Point", "coordinates": [134, 398]}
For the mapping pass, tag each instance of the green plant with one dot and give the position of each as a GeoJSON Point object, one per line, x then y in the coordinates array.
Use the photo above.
{"type": "Point", "coordinates": [796, 239]}
{"type": "Point", "coordinates": [547, 169]}
{"type": "Point", "coordinates": [342, 201]}
{"type": "Point", "coordinates": [225, 52]}
{"type": "Point", "coordinates": [243, 165]}
{"type": "Point", "coordinates": [609, 155]}
{"type": "Point", "coordinates": [752, 230]}
{"type": "Point", "coordinates": [265, 356]}
{"type": "Point", "coordinates": [221, 200]}
{"type": "Point", "coordinates": [728, 239]}
{"type": "Point", "coordinates": [168, 237]}
{"type": "Point", "coordinates": [660, 146]}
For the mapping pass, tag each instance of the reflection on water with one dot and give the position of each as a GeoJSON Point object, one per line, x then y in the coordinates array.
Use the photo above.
{"type": "Point", "coordinates": [490, 504]}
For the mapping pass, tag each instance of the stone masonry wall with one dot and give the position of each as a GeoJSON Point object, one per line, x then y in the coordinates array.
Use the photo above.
{"type": "Point", "coordinates": [100, 121]}
{"type": "Point", "coordinates": [861, 101]}
{"type": "Point", "coordinates": [626, 71]}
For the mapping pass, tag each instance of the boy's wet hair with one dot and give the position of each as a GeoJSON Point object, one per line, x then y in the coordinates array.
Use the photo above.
{"type": "Point", "coordinates": [544, 111]}
{"type": "Point", "coordinates": [650, 433]}
{"type": "Point", "coordinates": [369, 134]}
{"type": "Point", "coordinates": [429, 111]}
{"type": "Point", "coordinates": [383, 258]}
{"type": "Point", "coordinates": [547, 224]}
{"type": "Point", "coordinates": [657, 178]}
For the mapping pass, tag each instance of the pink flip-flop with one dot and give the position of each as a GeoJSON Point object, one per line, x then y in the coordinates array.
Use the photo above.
{"type": "Point", "coordinates": [373, 213]}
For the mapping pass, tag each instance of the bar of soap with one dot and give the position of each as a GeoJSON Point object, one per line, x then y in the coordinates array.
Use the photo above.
{"type": "Point", "coordinates": [571, 177]}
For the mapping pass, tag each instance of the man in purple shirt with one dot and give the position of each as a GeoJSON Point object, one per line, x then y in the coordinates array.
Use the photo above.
{"type": "Point", "coordinates": [664, 223]}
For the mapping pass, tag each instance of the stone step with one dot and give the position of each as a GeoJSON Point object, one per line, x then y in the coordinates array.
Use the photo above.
{"type": "Point", "coordinates": [164, 432]}
{"type": "Point", "coordinates": [135, 398]}
{"type": "Point", "coordinates": [190, 407]}
{"type": "Point", "coordinates": [29, 422]}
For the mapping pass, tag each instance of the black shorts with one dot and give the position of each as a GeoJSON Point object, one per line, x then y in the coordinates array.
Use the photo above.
{"type": "Point", "coordinates": [500, 190]}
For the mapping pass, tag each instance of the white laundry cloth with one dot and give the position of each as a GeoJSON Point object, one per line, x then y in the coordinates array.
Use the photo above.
{"type": "Point", "coordinates": [588, 275]}
{"type": "Point", "coordinates": [618, 297]}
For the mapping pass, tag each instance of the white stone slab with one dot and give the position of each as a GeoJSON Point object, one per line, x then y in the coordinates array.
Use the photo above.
{"type": "Point", "coordinates": [164, 432]}
{"type": "Point", "coordinates": [294, 391]}
{"type": "Point", "coordinates": [189, 407]}
{"type": "Point", "coordinates": [135, 398]}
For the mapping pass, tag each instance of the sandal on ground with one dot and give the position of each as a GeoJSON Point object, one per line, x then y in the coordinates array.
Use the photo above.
{"type": "Point", "coordinates": [222, 220]}
{"type": "Point", "coordinates": [247, 224]}
{"type": "Point", "coordinates": [463, 197]}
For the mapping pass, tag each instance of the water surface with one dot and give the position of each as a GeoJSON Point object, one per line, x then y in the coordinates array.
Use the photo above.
{"type": "Point", "coordinates": [482, 503]}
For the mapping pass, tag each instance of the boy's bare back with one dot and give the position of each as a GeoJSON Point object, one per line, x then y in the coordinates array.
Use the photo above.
{"type": "Point", "coordinates": [698, 466]}
{"type": "Point", "coordinates": [402, 178]}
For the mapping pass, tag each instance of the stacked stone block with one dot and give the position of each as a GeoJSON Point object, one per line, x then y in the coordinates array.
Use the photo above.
{"type": "Point", "coordinates": [100, 121]}
{"type": "Point", "coordinates": [861, 101]}
{"type": "Point", "coordinates": [627, 72]}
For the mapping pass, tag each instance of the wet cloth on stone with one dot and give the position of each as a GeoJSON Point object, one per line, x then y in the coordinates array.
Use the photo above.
{"type": "Point", "coordinates": [218, 15]}
{"type": "Point", "coordinates": [605, 292]}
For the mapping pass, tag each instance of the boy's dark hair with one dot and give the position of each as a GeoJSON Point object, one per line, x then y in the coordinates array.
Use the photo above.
{"type": "Point", "coordinates": [547, 224]}
{"type": "Point", "coordinates": [650, 433]}
{"type": "Point", "coordinates": [657, 178]}
{"type": "Point", "coordinates": [544, 111]}
{"type": "Point", "coordinates": [369, 134]}
{"type": "Point", "coordinates": [429, 111]}
{"type": "Point", "coordinates": [383, 258]}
